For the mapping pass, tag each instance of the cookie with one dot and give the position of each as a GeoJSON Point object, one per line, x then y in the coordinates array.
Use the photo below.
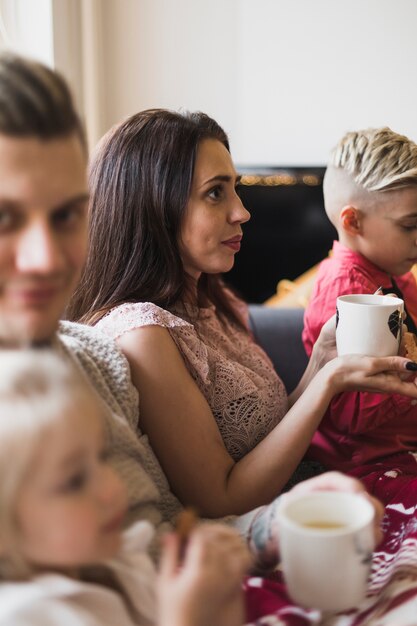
{"type": "Point", "coordinates": [410, 344]}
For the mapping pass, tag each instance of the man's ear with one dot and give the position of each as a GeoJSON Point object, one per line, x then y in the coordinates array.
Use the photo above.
{"type": "Point", "coordinates": [350, 219]}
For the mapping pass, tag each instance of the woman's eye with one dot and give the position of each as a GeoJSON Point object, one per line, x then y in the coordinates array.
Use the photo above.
{"type": "Point", "coordinates": [409, 228]}
{"type": "Point", "coordinates": [215, 193]}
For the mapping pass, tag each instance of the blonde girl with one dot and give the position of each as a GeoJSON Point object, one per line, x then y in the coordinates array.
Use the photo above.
{"type": "Point", "coordinates": [64, 557]}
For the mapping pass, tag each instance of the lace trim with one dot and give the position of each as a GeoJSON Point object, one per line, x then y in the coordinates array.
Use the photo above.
{"type": "Point", "coordinates": [233, 373]}
{"type": "Point", "coordinates": [132, 315]}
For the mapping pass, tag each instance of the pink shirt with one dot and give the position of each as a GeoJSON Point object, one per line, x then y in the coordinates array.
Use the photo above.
{"type": "Point", "coordinates": [358, 427]}
{"type": "Point", "coordinates": [233, 373]}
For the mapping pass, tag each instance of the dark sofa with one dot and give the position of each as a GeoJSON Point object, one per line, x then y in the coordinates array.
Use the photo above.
{"type": "Point", "coordinates": [278, 331]}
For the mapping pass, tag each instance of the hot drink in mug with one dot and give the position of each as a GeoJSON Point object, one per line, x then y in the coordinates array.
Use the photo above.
{"type": "Point", "coordinates": [326, 544]}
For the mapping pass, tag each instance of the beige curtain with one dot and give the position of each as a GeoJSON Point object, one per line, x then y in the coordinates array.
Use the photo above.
{"type": "Point", "coordinates": [77, 44]}
{"type": "Point", "coordinates": [66, 35]}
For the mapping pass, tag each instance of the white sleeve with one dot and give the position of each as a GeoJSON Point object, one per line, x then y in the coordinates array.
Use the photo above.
{"type": "Point", "coordinates": [51, 612]}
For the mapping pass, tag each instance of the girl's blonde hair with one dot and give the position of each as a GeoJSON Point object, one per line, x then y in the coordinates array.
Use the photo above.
{"type": "Point", "coordinates": [378, 159]}
{"type": "Point", "coordinates": [36, 389]}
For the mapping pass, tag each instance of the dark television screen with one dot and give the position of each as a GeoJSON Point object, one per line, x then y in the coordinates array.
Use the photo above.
{"type": "Point", "coordinates": [288, 232]}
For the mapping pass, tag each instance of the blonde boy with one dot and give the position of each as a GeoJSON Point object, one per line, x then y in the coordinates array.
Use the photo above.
{"type": "Point", "coordinates": [370, 194]}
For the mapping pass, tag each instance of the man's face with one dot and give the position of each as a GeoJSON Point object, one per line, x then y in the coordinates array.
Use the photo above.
{"type": "Point", "coordinates": [43, 233]}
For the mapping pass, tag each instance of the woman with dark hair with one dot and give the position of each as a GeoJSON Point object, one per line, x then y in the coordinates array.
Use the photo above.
{"type": "Point", "coordinates": [165, 223]}
{"type": "Point", "coordinates": [147, 163]}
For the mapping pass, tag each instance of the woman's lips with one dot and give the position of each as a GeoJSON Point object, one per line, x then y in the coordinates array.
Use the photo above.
{"type": "Point", "coordinates": [233, 243]}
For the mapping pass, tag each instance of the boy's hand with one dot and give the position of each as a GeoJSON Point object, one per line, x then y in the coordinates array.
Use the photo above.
{"type": "Point", "coordinates": [335, 481]}
{"type": "Point", "coordinates": [264, 532]}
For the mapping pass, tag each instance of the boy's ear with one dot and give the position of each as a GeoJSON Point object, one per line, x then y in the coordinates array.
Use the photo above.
{"type": "Point", "coordinates": [350, 220]}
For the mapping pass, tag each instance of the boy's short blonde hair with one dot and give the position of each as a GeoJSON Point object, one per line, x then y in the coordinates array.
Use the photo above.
{"type": "Point", "coordinates": [378, 159]}
{"type": "Point", "coordinates": [37, 387]}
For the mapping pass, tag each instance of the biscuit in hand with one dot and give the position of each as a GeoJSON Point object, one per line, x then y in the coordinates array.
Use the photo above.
{"type": "Point", "coordinates": [410, 344]}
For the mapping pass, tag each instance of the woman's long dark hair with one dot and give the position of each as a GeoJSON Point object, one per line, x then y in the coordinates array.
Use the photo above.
{"type": "Point", "coordinates": [140, 183]}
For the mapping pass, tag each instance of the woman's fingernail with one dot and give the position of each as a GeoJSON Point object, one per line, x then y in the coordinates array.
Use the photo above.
{"type": "Point", "coordinates": [411, 366]}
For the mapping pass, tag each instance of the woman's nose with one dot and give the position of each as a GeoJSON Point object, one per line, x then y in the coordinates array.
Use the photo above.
{"type": "Point", "coordinates": [239, 213]}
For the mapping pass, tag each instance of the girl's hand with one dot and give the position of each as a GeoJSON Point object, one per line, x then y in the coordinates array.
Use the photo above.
{"type": "Point", "coordinates": [205, 587]}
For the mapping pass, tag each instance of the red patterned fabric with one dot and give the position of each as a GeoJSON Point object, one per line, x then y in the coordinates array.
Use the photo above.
{"type": "Point", "coordinates": [392, 594]}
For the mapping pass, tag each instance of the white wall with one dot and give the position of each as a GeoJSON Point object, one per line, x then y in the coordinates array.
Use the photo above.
{"type": "Point", "coordinates": [310, 70]}
{"type": "Point", "coordinates": [171, 53]}
{"type": "Point", "coordinates": [285, 77]}
{"type": "Point", "coordinates": [26, 27]}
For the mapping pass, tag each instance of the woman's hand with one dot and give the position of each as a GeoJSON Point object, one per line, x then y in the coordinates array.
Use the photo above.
{"type": "Point", "coordinates": [391, 374]}
{"type": "Point", "coordinates": [205, 587]}
{"type": "Point", "coordinates": [324, 349]}
{"type": "Point", "coordinates": [355, 372]}
{"type": "Point", "coordinates": [205, 475]}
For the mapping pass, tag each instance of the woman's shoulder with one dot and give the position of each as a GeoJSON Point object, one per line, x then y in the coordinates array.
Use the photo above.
{"type": "Point", "coordinates": [132, 315]}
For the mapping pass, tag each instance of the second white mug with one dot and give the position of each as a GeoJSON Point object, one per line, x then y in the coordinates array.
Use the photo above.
{"type": "Point", "coordinates": [368, 324]}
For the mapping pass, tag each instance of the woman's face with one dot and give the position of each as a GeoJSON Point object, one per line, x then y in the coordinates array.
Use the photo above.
{"type": "Point", "coordinates": [211, 230]}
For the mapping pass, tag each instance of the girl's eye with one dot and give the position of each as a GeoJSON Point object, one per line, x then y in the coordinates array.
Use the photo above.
{"type": "Point", "coordinates": [409, 228]}
{"type": "Point", "coordinates": [75, 482]}
{"type": "Point", "coordinates": [104, 455]}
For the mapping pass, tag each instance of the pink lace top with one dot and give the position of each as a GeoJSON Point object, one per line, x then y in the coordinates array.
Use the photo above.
{"type": "Point", "coordinates": [233, 373]}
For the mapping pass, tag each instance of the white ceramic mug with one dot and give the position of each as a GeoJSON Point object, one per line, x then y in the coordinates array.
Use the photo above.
{"type": "Point", "coordinates": [368, 324]}
{"type": "Point", "coordinates": [326, 541]}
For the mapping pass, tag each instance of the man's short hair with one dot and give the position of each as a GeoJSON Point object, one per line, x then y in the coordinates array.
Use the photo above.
{"type": "Point", "coordinates": [35, 101]}
{"type": "Point", "coordinates": [378, 159]}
